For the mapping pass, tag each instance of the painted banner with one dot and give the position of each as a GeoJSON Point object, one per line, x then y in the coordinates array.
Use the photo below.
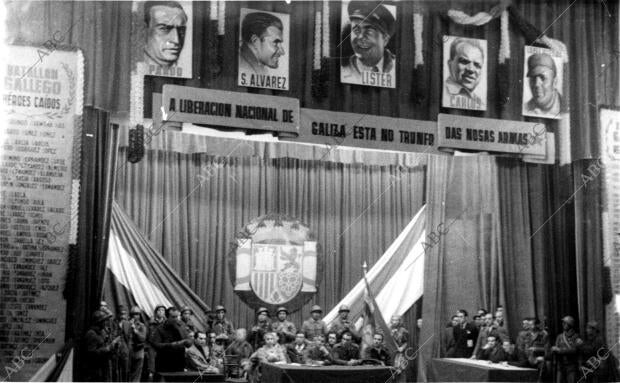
{"type": "Point", "coordinates": [164, 41]}
{"type": "Point", "coordinates": [491, 135]}
{"type": "Point", "coordinates": [610, 163]}
{"type": "Point", "coordinates": [367, 44]}
{"type": "Point", "coordinates": [263, 49]}
{"type": "Point", "coordinates": [42, 105]}
{"type": "Point", "coordinates": [366, 131]}
{"type": "Point", "coordinates": [224, 108]}
{"type": "Point", "coordinates": [464, 73]}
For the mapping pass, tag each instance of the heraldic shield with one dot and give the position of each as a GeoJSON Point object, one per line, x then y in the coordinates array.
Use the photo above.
{"type": "Point", "coordinates": [276, 275]}
{"type": "Point", "coordinates": [275, 262]}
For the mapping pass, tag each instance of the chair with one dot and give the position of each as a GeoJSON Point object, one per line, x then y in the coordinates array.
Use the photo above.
{"type": "Point", "coordinates": [233, 370]}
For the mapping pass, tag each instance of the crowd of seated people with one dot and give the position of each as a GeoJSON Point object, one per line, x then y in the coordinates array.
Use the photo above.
{"type": "Point", "coordinates": [570, 358]}
{"type": "Point", "coordinates": [123, 348]}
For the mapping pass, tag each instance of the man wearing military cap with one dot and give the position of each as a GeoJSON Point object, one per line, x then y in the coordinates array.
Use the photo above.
{"type": "Point", "coordinates": [262, 327]}
{"type": "Point", "coordinates": [566, 351]}
{"type": "Point", "coordinates": [186, 318]}
{"type": "Point", "coordinates": [137, 339]}
{"type": "Point", "coordinates": [221, 324]}
{"type": "Point", "coordinates": [100, 348]}
{"type": "Point", "coordinates": [372, 27]}
{"type": "Point", "coordinates": [283, 327]}
{"type": "Point", "coordinates": [314, 326]}
{"type": "Point", "coordinates": [342, 324]}
{"type": "Point", "coordinates": [542, 78]}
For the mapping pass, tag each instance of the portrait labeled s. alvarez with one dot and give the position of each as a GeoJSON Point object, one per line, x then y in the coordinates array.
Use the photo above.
{"type": "Point", "coordinates": [166, 37]}
{"type": "Point", "coordinates": [366, 49]}
{"type": "Point", "coordinates": [464, 73]}
{"type": "Point", "coordinates": [542, 83]}
{"type": "Point", "coordinates": [263, 49]}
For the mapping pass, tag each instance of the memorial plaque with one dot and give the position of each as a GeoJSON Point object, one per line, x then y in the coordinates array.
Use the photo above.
{"type": "Point", "coordinates": [41, 104]}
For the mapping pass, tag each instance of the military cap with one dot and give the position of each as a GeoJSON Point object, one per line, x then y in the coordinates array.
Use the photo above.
{"type": "Point", "coordinates": [538, 61]}
{"type": "Point", "coordinates": [282, 308]}
{"type": "Point", "coordinates": [186, 308]}
{"type": "Point", "coordinates": [344, 308]}
{"type": "Point", "coordinates": [220, 308]}
{"type": "Point", "coordinates": [135, 310]}
{"type": "Point", "coordinates": [373, 13]}
{"type": "Point", "coordinates": [99, 316]}
{"type": "Point", "coordinates": [316, 308]}
{"type": "Point", "coordinates": [569, 320]}
{"type": "Point", "coordinates": [262, 310]}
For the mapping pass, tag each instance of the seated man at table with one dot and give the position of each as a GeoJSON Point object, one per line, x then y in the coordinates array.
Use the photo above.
{"type": "Point", "coordinates": [378, 351]}
{"type": "Point", "coordinates": [346, 353]}
{"type": "Point", "coordinates": [492, 351]}
{"type": "Point", "coordinates": [297, 351]}
{"type": "Point", "coordinates": [271, 351]}
{"type": "Point", "coordinates": [197, 357]}
{"type": "Point", "coordinates": [318, 353]}
{"type": "Point", "coordinates": [513, 355]}
{"type": "Point", "coordinates": [332, 341]}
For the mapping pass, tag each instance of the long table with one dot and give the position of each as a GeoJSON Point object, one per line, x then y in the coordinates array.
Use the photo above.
{"type": "Point", "coordinates": [275, 373]}
{"type": "Point", "coordinates": [470, 370]}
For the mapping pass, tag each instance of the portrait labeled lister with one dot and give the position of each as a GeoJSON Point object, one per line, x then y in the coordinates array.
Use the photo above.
{"type": "Point", "coordinates": [367, 56]}
{"type": "Point", "coordinates": [168, 38]}
{"type": "Point", "coordinates": [464, 73]}
{"type": "Point", "coordinates": [542, 83]}
{"type": "Point", "coordinates": [263, 49]}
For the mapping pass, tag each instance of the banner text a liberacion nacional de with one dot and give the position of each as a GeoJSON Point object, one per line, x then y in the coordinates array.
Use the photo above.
{"type": "Point", "coordinates": [41, 109]}
{"type": "Point", "coordinates": [231, 109]}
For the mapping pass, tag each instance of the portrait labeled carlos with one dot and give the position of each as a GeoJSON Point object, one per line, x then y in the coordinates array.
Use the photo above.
{"type": "Point", "coordinates": [167, 38]}
{"type": "Point", "coordinates": [367, 53]}
{"type": "Point", "coordinates": [464, 73]}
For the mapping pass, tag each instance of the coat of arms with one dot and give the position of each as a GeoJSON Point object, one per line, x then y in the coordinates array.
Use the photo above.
{"type": "Point", "coordinates": [275, 261]}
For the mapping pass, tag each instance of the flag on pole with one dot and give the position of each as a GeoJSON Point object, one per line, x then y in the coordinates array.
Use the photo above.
{"type": "Point", "coordinates": [373, 321]}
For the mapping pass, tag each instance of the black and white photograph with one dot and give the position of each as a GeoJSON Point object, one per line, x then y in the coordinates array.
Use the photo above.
{"type": "Point", "coordinates": [263, 49]}
{"type": "Point", "coordinates": [367, 54]}
{"type": "Point", "coordinates": [542, 83]}
{"type": "Point", "coordinates": [465, 73]}
{"type": "Point", "coordinates": [168, 38]}
{"type": "Point", "coordinates": [310, 191]}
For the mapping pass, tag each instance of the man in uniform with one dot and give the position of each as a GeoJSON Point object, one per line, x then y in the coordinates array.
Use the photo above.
{"type": "Point", "coordinates": [222, 325]}
{"type": "Point", "coordinates": [542, 77]}
{"type": "Point", "coordinates": [346, 353]}
{"type": "Point", "coordinates": [159, 317]}
{"type": "Point", "coordinates": [318, 353]}
{"type": "Point", "coordinates": [372, 26]}
{"type": "Point", "coordinates": [285, 329]}
{"type": "Point", "coordinates": [186, 318]}
{"type": "Point", "coordinates": [314, 325]}
{"type": "Point", "coordinates": [137, 338]}
{"type": "Point", "coordinates": [99, 348]}
{"type": "Point", "coordinates": [566, 351]}
{"type": "Point", "coordinates": [262, 327]}
{"type": "Point", "coordinates": [342, 324]}
{"type": "Point", "coordinates": [378, 351]}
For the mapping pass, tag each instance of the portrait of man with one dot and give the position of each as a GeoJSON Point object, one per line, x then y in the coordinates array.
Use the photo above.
{"type": "Point", "coordinates": [465, 85]}
{"type": "Point", "coordinates": [368, 28]}
{"type": "Point", "coordinates": [168, 48]}
{"type": "Point", "coordinates": [543, 78]}
{"type": "Point", "coordinates": [263, 60]}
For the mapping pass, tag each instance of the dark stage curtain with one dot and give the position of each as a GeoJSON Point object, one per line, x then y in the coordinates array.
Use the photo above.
{"type": "Point", "coordinates": [87, 268]}
{"type": "Point", "coordinates": [356, 211]}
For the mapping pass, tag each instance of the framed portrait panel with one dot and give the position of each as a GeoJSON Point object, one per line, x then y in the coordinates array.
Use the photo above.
{"type": "Point", "coordinates": [464, 73]}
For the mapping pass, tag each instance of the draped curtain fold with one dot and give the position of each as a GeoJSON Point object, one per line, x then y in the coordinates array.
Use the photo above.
{"type": "Point", "coordinates": [190, 206]}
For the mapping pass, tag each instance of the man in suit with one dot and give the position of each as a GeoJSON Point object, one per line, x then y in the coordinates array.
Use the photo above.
{"type": "Point", "coordinates": [197, 357]}
{"type": "Point", "coordinates": [448, 343]}
{"type": "Point", "coordinates": [297, 351]}
{"type": "Point", "coordinates": [262, 45]}
{"type": "Point", "coordinates": [465, 336]}
{"type": "Point", "coordinates": [170, 342]}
